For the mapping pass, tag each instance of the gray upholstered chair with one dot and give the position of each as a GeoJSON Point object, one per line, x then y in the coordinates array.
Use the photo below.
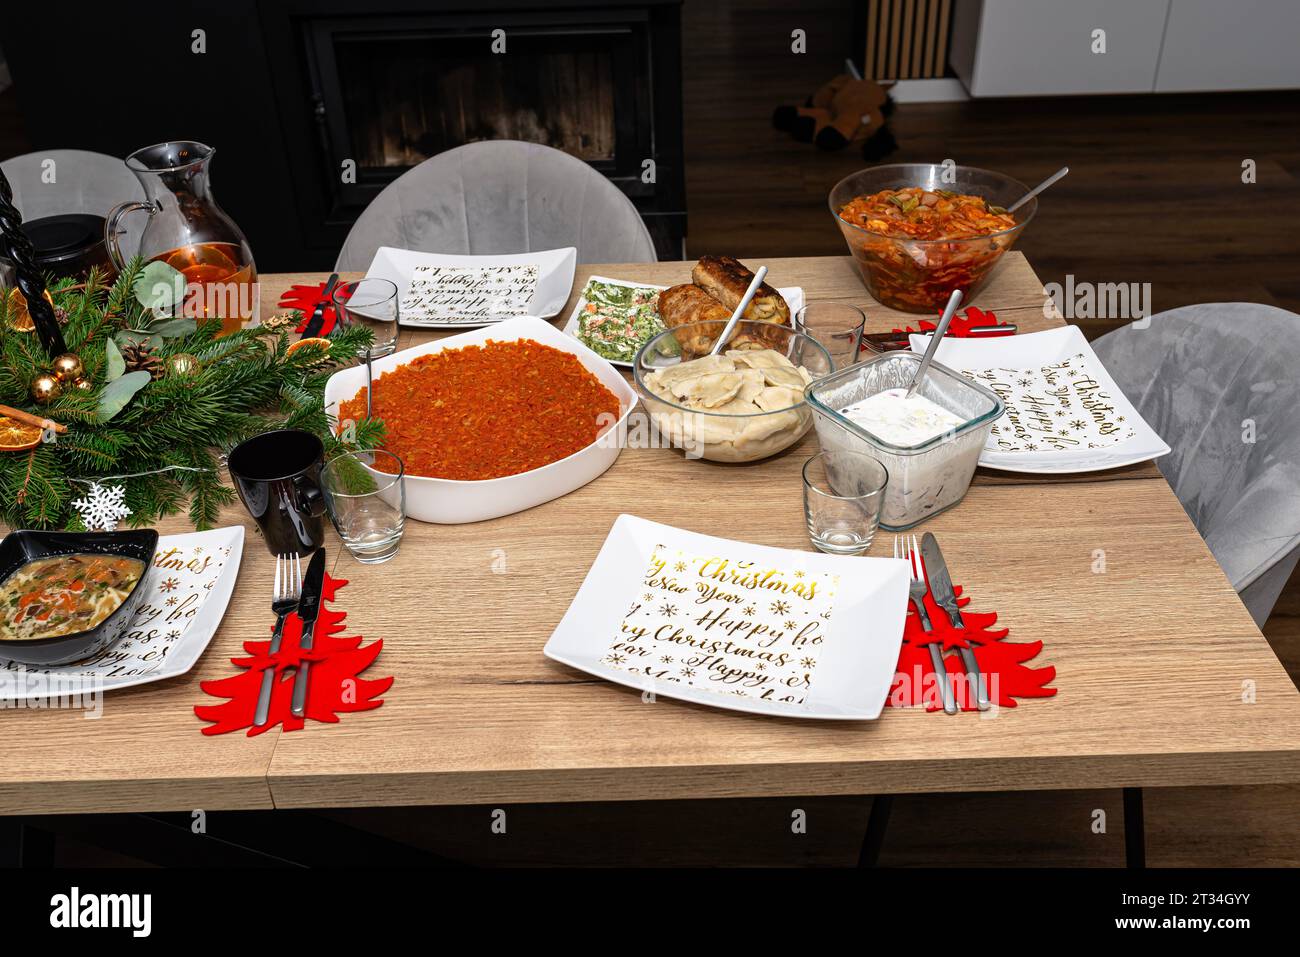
{"type": "Point", "coordinates": [499, 197]}
{"type": "Point", "coordinates": [1220, 383]}
{"type": "Point", "coordinates": [83, 182]}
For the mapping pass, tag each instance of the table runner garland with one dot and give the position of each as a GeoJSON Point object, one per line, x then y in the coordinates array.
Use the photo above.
{"type": "Point", "coordinates": [135, 390]}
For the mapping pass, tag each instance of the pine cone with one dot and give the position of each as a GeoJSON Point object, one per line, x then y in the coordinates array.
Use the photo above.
{"type": "Point", "coordinates": [140, 357]}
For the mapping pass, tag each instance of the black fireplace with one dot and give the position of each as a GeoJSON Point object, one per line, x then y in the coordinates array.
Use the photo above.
{"type": "Point", "coordinates": [381, 92]}
{"type": "Point", "coordinates": [289, 91]}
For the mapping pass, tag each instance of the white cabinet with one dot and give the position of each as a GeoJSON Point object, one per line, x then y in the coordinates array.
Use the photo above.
{"type": "Point", "coordinates": [1045, 47]}
{"type": "Point", "coordinates": [1237, 45]}
{"type": "Point", "coordinates": [1049, 47]}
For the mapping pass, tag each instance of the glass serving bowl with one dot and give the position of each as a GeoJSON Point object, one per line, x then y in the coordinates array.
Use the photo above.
{"type": "Point", "coordinates": [719, 436]}
{"type": "Point", "coordinates": [925, 478]}
{"type": "Point", "coordinates": [918, 275]}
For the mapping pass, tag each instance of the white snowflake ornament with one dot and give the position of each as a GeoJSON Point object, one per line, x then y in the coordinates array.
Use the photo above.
{"type": "Point", "coordinates": [103, 507]}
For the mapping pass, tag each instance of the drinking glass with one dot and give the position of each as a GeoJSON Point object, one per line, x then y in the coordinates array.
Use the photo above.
{"type": "Point", "coordinates": [836, 325]}
{"type": "Point", "coordinates": [366, 498]}
{"type": "Point", "coordinates": [842, 496]}
{"type": "Point", "coordinates": [371, 303]}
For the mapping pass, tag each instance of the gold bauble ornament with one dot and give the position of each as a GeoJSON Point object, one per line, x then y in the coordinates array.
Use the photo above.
{"type": "Point", "coordinates": [183, 364]}
{"type": "Point", "coordinates": [68, 367]}
{"type": "Point", "coordinates": [45, 388]}
{"type": "Point", "coordinates": [83, 384]}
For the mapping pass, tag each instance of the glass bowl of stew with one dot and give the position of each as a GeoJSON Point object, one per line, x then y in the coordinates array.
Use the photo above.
{"type": "Point", "coordinates": [27, 555]}
{"type": "Point", "coordinates": [915, 274]}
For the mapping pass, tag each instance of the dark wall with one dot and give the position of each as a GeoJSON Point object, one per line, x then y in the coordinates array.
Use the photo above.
{"type": "Point", "coordinates": [98, 78]}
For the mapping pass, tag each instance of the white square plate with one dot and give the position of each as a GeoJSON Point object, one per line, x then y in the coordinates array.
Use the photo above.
{"type": "Point", "coordinates": [786, 633]}
{"type": "Point", "coordinates": [554, 281]}
{"type": "Point", "coordinates": [793, 296]}
{"type": "Point", "coordinates": [1051, 413]}
{"type": "Point", "coordinates": [187, 589]}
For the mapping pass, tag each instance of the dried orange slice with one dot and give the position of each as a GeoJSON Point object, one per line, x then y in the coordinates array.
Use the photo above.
{"type": "Point", "coordinates": [314, 341]}
{"type": "Point", "coordinates": [20, 320]}
{"type": "Point", "coordinates": [17, 436]}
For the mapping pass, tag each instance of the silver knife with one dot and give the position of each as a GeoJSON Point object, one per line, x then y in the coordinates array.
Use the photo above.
{"type": "Point", "coordinates": [308, 610]}
{"type": "Point", "coordinates": [936, 570]}
{"type": "Point", "coordinates": [317, 320]}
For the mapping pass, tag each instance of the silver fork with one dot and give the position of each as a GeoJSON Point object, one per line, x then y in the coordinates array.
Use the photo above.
{"type": "Point", "coordinates": [916, 589]}
{"type": "Point", "coordinates": [284, 599]}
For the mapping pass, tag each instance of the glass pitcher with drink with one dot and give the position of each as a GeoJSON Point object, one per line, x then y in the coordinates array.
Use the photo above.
{"type": "Point", "coordinates": [188, 231]}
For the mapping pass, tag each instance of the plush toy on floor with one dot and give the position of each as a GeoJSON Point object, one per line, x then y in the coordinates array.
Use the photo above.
{"type": "Point", "coordinates": [845, 110]}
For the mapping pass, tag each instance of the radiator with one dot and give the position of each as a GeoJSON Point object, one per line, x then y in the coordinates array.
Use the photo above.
{"type": "Point", "coordinates": [906, 39]}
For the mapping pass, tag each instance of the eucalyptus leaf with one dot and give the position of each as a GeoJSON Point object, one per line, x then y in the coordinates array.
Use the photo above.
{"type": "Point", "coordinates": [160, 287]}
{"type": "Point", "coordinates": [174, 328]}
{"type": "Point", "coordinates": [114, 364]}
{"type": "Point", "coordinates": [119, 392]}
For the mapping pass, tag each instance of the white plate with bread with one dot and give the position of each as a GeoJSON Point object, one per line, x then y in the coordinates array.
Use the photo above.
{"type": "Point", "coordinates": [718, 283]}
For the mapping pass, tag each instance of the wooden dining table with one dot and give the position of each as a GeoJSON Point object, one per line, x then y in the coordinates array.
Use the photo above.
{"type": "Point", "coordinates": [1163, 679]}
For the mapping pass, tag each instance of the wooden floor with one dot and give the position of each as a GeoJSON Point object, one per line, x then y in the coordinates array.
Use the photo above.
{"type": "Point", "coordinates": [1154, 192]}
{"type": "Point", "coordinates": [1154, 195]}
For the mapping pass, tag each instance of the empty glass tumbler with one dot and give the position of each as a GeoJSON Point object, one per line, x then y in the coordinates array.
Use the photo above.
{"type": "Point", "coordinates": [366, 498]}
{"type": "Point", "coordinates": [842, 496]}
{"type": "Point", "coordinates": [836, 325]}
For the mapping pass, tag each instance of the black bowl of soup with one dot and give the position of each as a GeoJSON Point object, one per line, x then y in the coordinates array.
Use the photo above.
{"type": "Point", "coordinates": [66, 596]}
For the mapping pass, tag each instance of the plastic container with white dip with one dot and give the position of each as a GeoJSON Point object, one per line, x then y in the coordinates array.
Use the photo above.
{"type": "Point", "coordinates": [929, 474]}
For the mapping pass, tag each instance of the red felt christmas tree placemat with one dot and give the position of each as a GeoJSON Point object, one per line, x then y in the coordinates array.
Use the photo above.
{"type": "Point", "coordinates": [960, 327]}
{"type": "Point", "coordinates": [1001, 662]}
{"type": "Point", "coordinates": [304, 299]}
{"type": "Point", "coordinates": [334, 684]}
{"type": "Point", "coordinates": [962, 324]}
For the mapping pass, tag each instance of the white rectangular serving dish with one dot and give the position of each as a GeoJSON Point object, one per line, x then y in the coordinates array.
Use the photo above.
{"type": "Point", "coordinates": [857, 621]}
{"type": "Point", "coordinates": [554, 280]}
{"type": "Point", "coordinates": [454, 502]}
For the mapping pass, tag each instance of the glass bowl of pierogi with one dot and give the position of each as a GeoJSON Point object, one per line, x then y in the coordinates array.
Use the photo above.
{"type": "Point", "coordinates": [745, 403]}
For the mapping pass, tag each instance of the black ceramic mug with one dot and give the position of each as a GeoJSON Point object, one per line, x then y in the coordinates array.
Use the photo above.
{"type": "Point", "coordinates": [277, 476]}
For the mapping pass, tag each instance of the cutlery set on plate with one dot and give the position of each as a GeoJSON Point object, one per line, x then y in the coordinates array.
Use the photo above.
{"type": "Point", "coordinates": [930, 574]}
{"type": "Point", "coordinates": [293, 593]}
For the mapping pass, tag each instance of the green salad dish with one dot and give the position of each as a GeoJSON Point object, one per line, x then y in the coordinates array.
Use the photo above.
{"type": "Point", "coordinates": [615, 319]}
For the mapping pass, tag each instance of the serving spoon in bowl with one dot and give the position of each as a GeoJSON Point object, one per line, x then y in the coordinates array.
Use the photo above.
{"type": "Point", "coordinates": [759, 275]}
{"type": "Point", "coordinates": [935, 338]}
{"type": "Point", "coordinates": [1060, 173]}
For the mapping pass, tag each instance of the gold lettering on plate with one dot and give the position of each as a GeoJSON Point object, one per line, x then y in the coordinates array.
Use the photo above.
{"type": "Point", "coordinates": [727, 625]}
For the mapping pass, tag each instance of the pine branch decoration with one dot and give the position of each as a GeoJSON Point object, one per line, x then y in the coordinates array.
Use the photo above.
{"type": "Point", "coordinates": [246, 382]}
